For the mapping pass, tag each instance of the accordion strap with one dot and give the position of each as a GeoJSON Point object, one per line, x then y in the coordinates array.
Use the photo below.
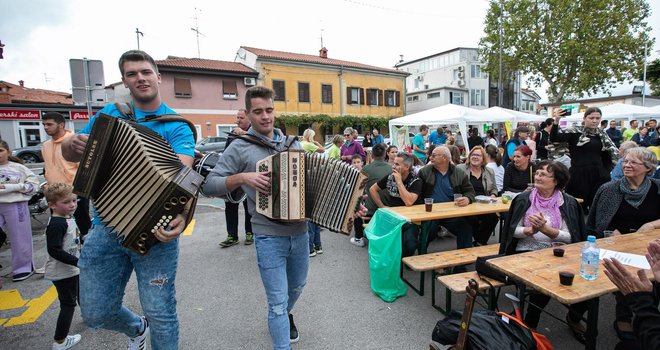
{"type": "Point", "coordinates": [259, 142]}
{"type": "Point", "coordinates": [126, 109]}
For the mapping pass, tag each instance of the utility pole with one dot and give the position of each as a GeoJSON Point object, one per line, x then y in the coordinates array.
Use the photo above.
{"type": "Point", "coordinates": [197, 32]}
{"type": "Point", "coordinates": [644, 76]}
{"type": "Point", "coordinates": [47, 79]}
{"type": "Point", "coordinates": [138, 33]}
{"type": "Point", "coordinates": [499, 76]}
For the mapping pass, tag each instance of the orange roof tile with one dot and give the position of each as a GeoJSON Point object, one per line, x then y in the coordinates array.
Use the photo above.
{"type": "Point", "coordinates": [20, 94]}
{"type": "Point", "coordinates": [289, 56]}
{"type": "Point", "coordinates": [205, 64]}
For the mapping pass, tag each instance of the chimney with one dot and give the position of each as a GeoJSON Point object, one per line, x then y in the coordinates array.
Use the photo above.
{"type": "Point", "coordinates": [21, 83]}
{"type": "Point", "coordinates": [323, 53]}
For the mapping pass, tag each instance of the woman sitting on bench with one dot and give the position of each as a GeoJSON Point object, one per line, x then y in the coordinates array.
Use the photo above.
{"type": "Point", "coordinates": [536, 219]}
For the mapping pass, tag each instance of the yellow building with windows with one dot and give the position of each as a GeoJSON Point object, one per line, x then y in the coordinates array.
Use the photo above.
{"type": "Point", "coordinates": [308, 84]}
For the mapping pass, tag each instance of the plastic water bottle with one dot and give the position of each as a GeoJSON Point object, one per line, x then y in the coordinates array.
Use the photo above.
{"type": "Point", "coordinates": [590, 254]}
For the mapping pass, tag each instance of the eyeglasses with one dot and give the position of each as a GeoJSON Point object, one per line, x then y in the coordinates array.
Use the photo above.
{"type": "Point", "coordinates": [632, 162]}
{"type": "Point", "coordinates": [346, 135]}
{"type": "Point", "coordinates": [476, 156]}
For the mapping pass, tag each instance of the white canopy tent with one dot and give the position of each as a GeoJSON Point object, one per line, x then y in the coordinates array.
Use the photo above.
{"type": "Point", "coordinates": [447, 114]}
{"type": "Point", "coordinates": [499, 114]}
{"type": "Point", "coordinates": [620, 111]}
{"type": "Point", "coordinates": [462, 116]}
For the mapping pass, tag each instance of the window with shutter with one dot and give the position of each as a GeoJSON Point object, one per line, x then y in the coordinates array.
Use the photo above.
{"type": "Point", "coordinates": [372, 97]}
{"type": "Point", "coordinates": [182, 87]}
{"type": "Point", "coordinates": [355, 95]}
{"type": "Point", "coordinates": [279, 88]}
{"type": "Point", "coordinates": [326, 93]}
{"type": "Point", "coordinates": [229, 90]}
{"type": "Point", "coordinates": [380, 97]}
{"type": "Point", "coordinates": [391, 99]}
{"type": "Point", "coordinates": [303, 92]}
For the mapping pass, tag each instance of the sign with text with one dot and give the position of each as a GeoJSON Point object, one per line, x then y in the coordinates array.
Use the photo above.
{"type": "Point", "coordinates": [20, 114]}
{"type": "Point", "coordinates": [79, 115]}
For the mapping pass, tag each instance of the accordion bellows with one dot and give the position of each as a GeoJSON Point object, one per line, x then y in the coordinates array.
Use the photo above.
{"type": "Point", "coordinates": [309, 185]}
{"type": "Point", "coordinates": [135, 179]}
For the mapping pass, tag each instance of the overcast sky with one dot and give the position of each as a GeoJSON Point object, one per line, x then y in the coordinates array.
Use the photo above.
{"type": "Point", "coordinates": [41, 36]}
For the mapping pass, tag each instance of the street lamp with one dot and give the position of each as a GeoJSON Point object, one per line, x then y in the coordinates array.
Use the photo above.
{"type": "Point", "coordinates": [499, 76]}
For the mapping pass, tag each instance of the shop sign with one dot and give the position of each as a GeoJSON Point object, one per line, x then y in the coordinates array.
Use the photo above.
{"type": "Point", "coordinates": [20, 114]}
{"type": "Point", "coordinates": [79, 115]}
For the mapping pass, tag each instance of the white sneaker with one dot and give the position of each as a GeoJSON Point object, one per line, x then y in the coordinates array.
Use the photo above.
{"type": "Point", "coordinates": [357, 241]}
{"type": "Point", "coordinates": [40, 271]}
{"type": "Point", "coordinates": [140, 341]}
{"type": "Point", "coordinates": [69, 342]}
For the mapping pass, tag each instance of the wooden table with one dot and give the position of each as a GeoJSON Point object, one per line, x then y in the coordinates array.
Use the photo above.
{"type": "Point", "coordinates": [540, 270]}
{"type": "Point", "coordinates": [417, 214]}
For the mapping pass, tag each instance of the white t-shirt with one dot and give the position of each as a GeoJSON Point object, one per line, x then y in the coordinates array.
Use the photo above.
{"type": "Point", "coordinates": [499, 175]}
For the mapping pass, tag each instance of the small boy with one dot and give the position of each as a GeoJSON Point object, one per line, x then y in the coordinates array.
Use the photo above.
{"type": "Point", "coordinates": [63, 243]}
{"type": "Point", "coordinates": [358, 240]}
{"type": "Point", "coordinates": [356, 162]}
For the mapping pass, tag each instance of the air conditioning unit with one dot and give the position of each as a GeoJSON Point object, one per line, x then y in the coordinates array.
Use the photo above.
{"type": "Point", "coordinates": [461, 75]}
{"type": "Point", "coordinates": [250, 81]}
{"type": "Point", "coordinates": [461, 68]}
{"type": "Point", "coordinates": [461, 83]}
{"type": "Point", "coordinates": [420, 78]}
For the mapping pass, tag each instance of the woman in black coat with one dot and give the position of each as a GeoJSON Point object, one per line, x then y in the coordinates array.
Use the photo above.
{"type": "Point", "coordinates": [536, 219]}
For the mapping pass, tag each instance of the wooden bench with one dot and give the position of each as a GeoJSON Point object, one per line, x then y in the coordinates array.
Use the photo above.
{"type": "Point", "coordinates": [456, 284]}
{"type": "Point", "coordinates": [445, 260]}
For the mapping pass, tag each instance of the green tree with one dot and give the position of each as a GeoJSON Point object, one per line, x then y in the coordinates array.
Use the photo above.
{"type": "Point", "coordinates": [576, 46]}
{"type": "Point", "coordinates": [653, 77]}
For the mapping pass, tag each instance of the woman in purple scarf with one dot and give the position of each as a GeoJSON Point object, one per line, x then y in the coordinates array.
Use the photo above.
{"type": "Point", "coordinates": [536, 219]}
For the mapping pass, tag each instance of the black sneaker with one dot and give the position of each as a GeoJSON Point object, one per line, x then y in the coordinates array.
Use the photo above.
{"type": "Point", "coordinates": [293, 331]}
{"type": "Point", "coordinates": [230, 241]}
{"type": "Point", "coordinates": [22, 276]}
{"type": "Point", "coordinates": [319, 249]}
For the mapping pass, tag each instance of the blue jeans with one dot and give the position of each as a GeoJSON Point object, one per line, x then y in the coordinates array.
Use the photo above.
{"type": "Point", "coordinates": [314, 233]}
{"type": "Point", "coordinates": [457, 226]}
{"type": "Point", "coordinates": [283, 263]}
{"type": "Point", "coordinates": [105, 267]}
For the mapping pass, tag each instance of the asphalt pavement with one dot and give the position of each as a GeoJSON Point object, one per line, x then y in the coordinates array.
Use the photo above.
{"type": "Point", "coordinates": [222, 304]}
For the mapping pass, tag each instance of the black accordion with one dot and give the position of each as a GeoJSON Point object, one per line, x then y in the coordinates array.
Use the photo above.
{"type": "Point", "coordinates": [310, 185]}
{"type": "Point", "coordinates": [137, 182]}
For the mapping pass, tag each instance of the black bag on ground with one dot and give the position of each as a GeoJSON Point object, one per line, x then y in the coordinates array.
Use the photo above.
{"type": "Point", "coordinates": [484, 269]}
{"type": "Point", "coordinates": [487, 331]}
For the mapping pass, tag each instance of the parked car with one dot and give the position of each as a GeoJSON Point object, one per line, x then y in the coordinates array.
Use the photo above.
{"type": "Point", "coordinates": [30, 154]}
{"type": "Point", "coordinates": [211, 144]}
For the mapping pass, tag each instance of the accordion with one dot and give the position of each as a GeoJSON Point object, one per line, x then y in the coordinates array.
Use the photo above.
{"type": "Point", "coordinates": [137, 182]}
{"type": "Point", "coordinates": [309, 185]}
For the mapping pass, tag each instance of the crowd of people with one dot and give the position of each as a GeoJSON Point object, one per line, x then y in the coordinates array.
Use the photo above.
{"type": "Point", "coordinates": [614, 173]}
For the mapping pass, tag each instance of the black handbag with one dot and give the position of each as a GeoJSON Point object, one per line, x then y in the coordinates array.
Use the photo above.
{"type": "Point", "coordinates": [483, 269]}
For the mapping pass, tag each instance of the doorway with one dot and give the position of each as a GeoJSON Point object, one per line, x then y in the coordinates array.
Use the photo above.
{"type": "Point", "coordinates": [29, 134]}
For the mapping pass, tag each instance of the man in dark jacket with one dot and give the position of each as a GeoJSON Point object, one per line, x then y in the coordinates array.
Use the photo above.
{"type": "Point", "coordinates": [614, 134]}
{"type": "Point", "coordinates": [440, 181]}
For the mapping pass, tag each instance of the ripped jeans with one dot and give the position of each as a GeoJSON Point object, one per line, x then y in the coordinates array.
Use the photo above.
{"type": "Point", "coordinates": [283, 263]}
{"type": "Point", "coordinates": [105, 268]}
